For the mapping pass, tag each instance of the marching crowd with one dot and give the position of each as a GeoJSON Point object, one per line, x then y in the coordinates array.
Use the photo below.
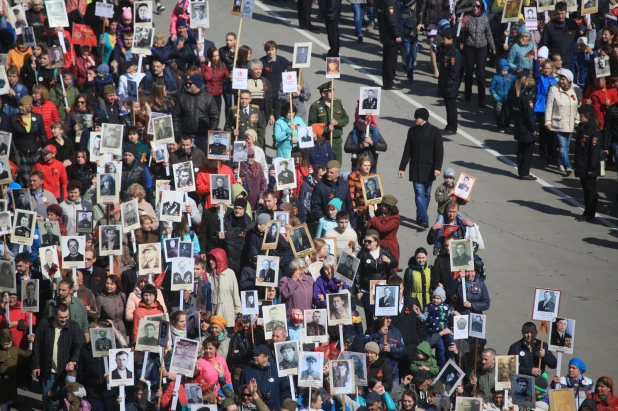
{"type": "Point", "coordinates": [545, 85]}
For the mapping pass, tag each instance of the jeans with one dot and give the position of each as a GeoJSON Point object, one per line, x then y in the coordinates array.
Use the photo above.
{"type": "Point", "coordinates": [441, 348]}
{"type": "Point", "coordinates": [564, 143]}
{"type": "Point", "coordinates": [422, 196]}
{"type": "Point", "coordinates": [359, 12]}
{"type": "Point", "coordinates": [371, 13]}
{"type": "Point", "coordinates": [46, 385]}
{"type": "Point", "coordinates": [410, 51]}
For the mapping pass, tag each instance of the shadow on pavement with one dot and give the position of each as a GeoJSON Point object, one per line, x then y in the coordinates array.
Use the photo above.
{"type": "Point", "coordinates": [543, 208]}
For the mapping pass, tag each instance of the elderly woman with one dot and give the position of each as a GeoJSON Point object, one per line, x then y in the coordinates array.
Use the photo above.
{"type": "Point", "coordinates": [45, 107]}
{"type": "Point", "coordinates": [29, 136]}
{"type": "Point", "coordinates": [517, 54]}
{"type": "Point", "coordinates": [111, 303]}
{"type": "Point", "coordinates": [575, 379]}
{"type": "Point", "coordinates": [137, 192]}
{"type": "Point", "coordinates": [253, 174]}
{"type": "Point", "coordinates": [297, 289]}
{"type": "Point", "coordinates": [326, 283]}
{"type": "Point", "coordinates": [476, 299]}
{"type": "Point", "coordinates": [213, 367]}
{"type": "Point", "coordinates": [561, 116]}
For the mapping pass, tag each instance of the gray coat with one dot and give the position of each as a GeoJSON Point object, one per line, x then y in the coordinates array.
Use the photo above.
{"type": "Point", "coordinates": [111, 307]}
{"type": "Point", "coordinates": [300, 100]}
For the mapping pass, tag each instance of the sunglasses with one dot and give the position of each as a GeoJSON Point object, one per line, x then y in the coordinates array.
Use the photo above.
{"type": "Point", "coordinates": [246, 394]}
{"type": "Point", "coordinates": [368, 241]}
{"type": "Point", "coordinates": [203, 321]}
{"type": "Point", "coordinates": [189, 84]}
{"type": "Point", "coordinates": [477, 6]}
{"type": "Point", "coordinates": [81, 102]}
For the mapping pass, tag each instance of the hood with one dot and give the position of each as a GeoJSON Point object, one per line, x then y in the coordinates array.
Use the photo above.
{"type": "Point", "coordinates": [412, 264]}
{"type": "Point", "coordinates": [588, 402]}
{"type": "Point", "coordinates": [238, 189]}
{"type": "Point", "coordinates": [425, 348]}
{"type": "Point", "coordinates": [611, 399]}
{"type": "Point", "coordinates": [502, 63]}
{"type": "Point", "coordinates": [523, 30]}
{"type": "Point", "coordinates": [218, 254]}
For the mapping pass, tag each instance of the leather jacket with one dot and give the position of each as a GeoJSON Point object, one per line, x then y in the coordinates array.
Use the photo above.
{"type": "Point", "coordinates": [431, 12]}
{"type": "Point", "coordinates": [195, 114]}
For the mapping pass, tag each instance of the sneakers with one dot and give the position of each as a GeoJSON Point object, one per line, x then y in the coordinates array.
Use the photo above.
{"type": "Point", "coordinates": [371, 25]}
{"type": "Point", "coordinates": [561, 168]}
{"type": "Point", "coordinates": [160, 8]}
{"type": "Point", "coordinates": [569, 172]}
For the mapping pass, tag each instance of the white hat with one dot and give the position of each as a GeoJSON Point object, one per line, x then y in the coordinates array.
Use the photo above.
{"type": "Point", "coordinates": [543, 52]}
{"type": "Point", "coordinates": [566, 73]}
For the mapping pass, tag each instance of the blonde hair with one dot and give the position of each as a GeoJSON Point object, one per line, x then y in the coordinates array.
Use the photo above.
{"type": "Point", "coordinates": [136, 190]}
{"type": "Point", "coordinates": [42, 90]}
{"type": "Point", "coordinates": [318, 244]}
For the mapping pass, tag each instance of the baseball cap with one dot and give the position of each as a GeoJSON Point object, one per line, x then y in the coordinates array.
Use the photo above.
{"type": "Point", "coordinates": [49, 149]}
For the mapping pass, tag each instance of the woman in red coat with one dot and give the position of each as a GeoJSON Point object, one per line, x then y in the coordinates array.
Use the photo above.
{"type": "Point", "coordinates": [604, 395]}
{"type": "Point", "coordinates": [83, 63]}
{"type": "Point", "coordinates": [386, 222]}
{"type": "Point", "coordinates": [43, 106]}
{"type": "Point", "coordinates": [214, 73]}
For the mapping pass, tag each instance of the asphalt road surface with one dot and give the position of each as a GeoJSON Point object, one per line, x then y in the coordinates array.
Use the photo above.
{"type": "Point", "coordinates": [529, 228]}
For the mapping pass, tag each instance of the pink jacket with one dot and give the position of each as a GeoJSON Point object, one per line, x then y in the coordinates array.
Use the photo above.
{"type": "Point", "coordinates": [178, 14]}
{"type": "Point", "coordinates": [134, 300]}
{"type": "Point", "coordinates": [209, 374]}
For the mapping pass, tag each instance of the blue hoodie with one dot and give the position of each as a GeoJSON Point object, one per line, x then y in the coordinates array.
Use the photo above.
{"type": "Point", "coordinates": [501, 85]}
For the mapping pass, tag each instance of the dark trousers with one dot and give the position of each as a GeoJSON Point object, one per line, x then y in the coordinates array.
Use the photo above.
{"type": "Point", "coordinates": [547, 146]}
{"type": "Point", "coordinates": [389, 63]}
{"type": "Point", "coordinates": [503, 116]}
{"type": "Point", "coordinates": [451, 113]}
{"type": "Point", "coordinates": [332, 30]}
{"type": "Point", "coordinates": [591, 196]}
{"type": "Point", "coordinates": [219, 101]}
{"type": "Point", "coordinates": [524, 158]}
{"type": "Point", "coordinates": [304, 13]}
{"type": "Point", "coordinates": [474, 62]}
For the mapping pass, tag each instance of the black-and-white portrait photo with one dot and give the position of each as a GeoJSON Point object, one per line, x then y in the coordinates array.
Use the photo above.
{"type": "Point", "coordinates": [5, 143]}
{"type": "Point", "coordinates": [339, 308]}
{"type": "Point", "coordinates": [461, 255]}
{"type": "Point", "coordinates": [271, 236]}
{"type": "Point", "coordinates": [84, 221]}
{"type": "Point", "coordinates": [602, 67]}
{"type": "Point", "coordinates": [286, 354]}
{"type": "Point", "coordinates": [247, 9]}
{"type": "Point", "coordinates": [49, 260]}
{"type": "Point", "coordinates": [143, 39]}
{"type": "Point", "coordinates": [301, 241]}
{"type": "Point", "coordinates": [94, 145]}
{"type": "Point", "coordinates": [23, 227]}
{"type": "Point", "coordinates": [110, 240]}
{"type": "Point", "coordinates": [284, 170]}
{"type": "Point", "coordinates": [220, 192]}
{"type": "Point", "coordinates": [108, 189]}
{"type": "Point", "coordinates": [184, 179]}
{"type": "Point", "coordinates": [182, 274]}
{"type": "Point", "coordinates": [315, 326]}
{"type": "Point", "coordinates": [193, 326]}
{"type": "Point", "coordinates": [341, 377]}
{"type": "Point", "coordinates": [468, 404]}
{"type": "Point", "coordinates": [249, 302]}
{"type": "Point", "coordinates": [236, 7]}
{"type": "Point", "coordinates": [372, 189]}
{"type": "Point", "coordinates": [5, 170]}
{"type": "Point", "coordinates": [302, 55]}
{"type": "Point", "coordinates": [20, 19]}
{"type": "Point", "coordinates": [112, 138]}
{"type": "Point", "coordinates": [57, 13]}
{"type": "Point", "coordinates": [360, 366]}
{"type": "Point", "coordinates": [274, 316]}
{"type": "Point", "coordinates": [478, 324]}
{"type": "Point", "coordinates": [147, 336]}
{"type": "Point", "coordinates": [310, 372]}
{"type": "Point", "coordinates": [163, 129]}
{"type": "Point", "coordinates": [30, 296]}
{"type": "Point", "coordinates": [346, 268]}
{"type": "Point", "coordinates": [143, 13]}
{"type": "Point", "coordinates": [450, 376]}
{"type": "Point", "coordinates": [121, 367]}
{"type": "Point", "coordinates": [370, 98]}
{"type": "Point", "coordinates": [73, 251]}
{"type": "Point", "coordinates": [267, 271]}
{"type": "Point", "coordinates": [160, 152]}
{"type": "Point", "coordinates": [184, 356]}
{"type": "Point", "coordinates": [241, 151]}
{"type": "Point", "coordinates": [219, 145]}
{"type": "Point", "coordinates": [199, 14]}
{"type": "Point", "coordinates": [589, 6]}
{"type": "Point", "coordinates": [20, 197]}
{"type": "Point", "coordinates": [110, 167]}
{"type": "Point", "coordinates": [546, 304]}
{"type": "Point", "coordinates": [164, 327]}
{"type": "Point", "coordinates": [387, 300]}
{"type": "Point", "coordinates": [5, 223]}
{"type": "Point", "coordinates": [56, 57]}
{"type": "Point", "coordinates": [194, 394]}
{"type": "Point", "coordinates": [102, 340]}
{"type": "Point", "coordinates": [562, 335]}
{"type": "Point", "coordinates": [284, 217]}
{"type": "Point", "coordinates": [464, 186]}
{"type": "Point", "coordinates": [7, 276]}
{"type": "Point", "coordinates": [186, 249]}
{"type": "Point", "coordinates": [49, 232]}
{"type": "Point", "coordinates": [523, 389]}
{"type": "Point", "coordinates": [149, 258]}
{"type": "Point", "coordinates": [305, 137]}
{"type": "Point", "coordinates": [130, 218]}
{"type": "Point", "coordinates": [171, 206]}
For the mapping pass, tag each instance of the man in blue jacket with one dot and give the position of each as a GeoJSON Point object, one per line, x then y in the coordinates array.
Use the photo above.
{"type": "Point", "coordinates": [331, 186]}
{"type": "Point", "coordinates": [274, 389]}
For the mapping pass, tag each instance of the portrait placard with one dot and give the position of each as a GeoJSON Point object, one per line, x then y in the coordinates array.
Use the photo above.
{"type": "Point", "coordinates": [153, 115]}
{"type": "Point", "coordinates": [194, 394]}
{"type": "Point", "coordinates": [468, 404]}
{"type": "Point", "coordinates": [170, 207]}
{"type": "Point", "coordinates": [142, 14]}
{"type": "Point", "coordinates": [5, 222]}
{"type": "Point", "coordinates": [372, 290]}
{"type": "Point", "coordinates": [289, 82]}
{"type": "Point", "coordinates": [112, 138]}
{"type": "Point", "coordinates": [302, 55]}
{"type": "Point", "coordinates": [163, 129]}
{"type": "Point", "coordinates": [333, 67]}
{"type": "Point", "coordinates": [30, 296]}
{"type": "Point", "coordinates": [464, 186]}
{"type": "Point", "coordinates": [6, 139]}
{"type": "Point", "coordinates": [21, 199]}
{"type": "Point", "coordinates": [3, 205]}
{"type": "Point", "coordinates": [110, 167]}
{"type": "Point", "coordinates": [199, 14]}
{"type": "Point", "coordinates": [315, 325]}
{"type": "Point", "coordinates": [271, 237]}
{"type": "Point", "coordinates": [149, 258]}
{"type": "Point", "coordinates": [274, 316]}
{"type": "Point", "coordinates": [249, 302]}
{"type": "Point", "coordinates": [84, 221]}
{"type": "Point", "coordinates": [544, 5]}
{"type": "Point", "coordinates": [73, 251]}
{"type": "Point", "coordinates": [184, 356]}
{"type": "Point", "coordinates": [478, 325]}
{"type": "Point", "coordinates": [94, 146]}
{"type": "Point", "coordinates": [24, 223]}
{"type": "Point", "coordinates": [236, 7]}
{"type": "Point", "coordinates": [602, 66]}
{"type": "Point", "coordinates": [241, 151]}
{"type": "Point", "coordinates": [110, 240]}
{"type": "Point", "coordinates": [102, 340]}
{"type": "Point", "coordinates": [193, 326]}
{"type": "Point", "coordinates": [267, 272]}
{"type": "Point", "coordinates": [184, 178]}
{"type": "Point", "coordinates": [450, 376]}
{"type": "Point", "coordinates": [49, 261]}
{"type": "Point", "coordinates": [220, 189]}
{"type": "Point", "coordinates": [284, 217]}
{"type": "Point", "coordinates": [130, 218]}
{"type": "Point", "coordinates": [305, 137]}
{"type": "Point", "coordinates": [160, 153]}
{"type": "Point", "coordinates": [461, 255]}
{"type": "Point", "coordinates": [4, 81]}
{"type": "Point", "coordinates": [523, 389]}
{"type": "Point", "coordinates": [7, 277]}
{"type": "Point", "coordinates": [460, 327]}
{"type": "Point", "coordinates": [562, 400]}
{"type": "Point", "coordinates": [20, 18]}
{"type": "Point", "coordinates": [121, 367]}
{"type": "Point", "coordinates": [360, 366]}
{"type": "Point", "coordinates": [339, 308]}
{"type": "Point", "coordinates": [186, 249]}
{"type": "Point", "coordinates": [142, 41]}
{"type": "Point", "coordinates": [56, 13]}
{"type": "Point", "coordinates": [589, 6]}
{"type": "Point", "coordinates": [572, 5]}
{"type": "Point", "coordinates": [510, 13]}
{"type": "Point", "coordinates": [219, 145]}
{"type": "Point", "coordinates": [247, 9]}
{"type": "Point", "coordinates": [164, 329]}
{"type": "Point", "coordinates": [505, 366]}
{"type": "Point", "coordinates": [286, 354]}
{"type": "Point", "coordinates": [182, 274]}
{"type": "Point", "coordinates": [5, 170]}
{"type": "Point", "coordinates": [49, 232]}
{"type": "Point", "coordinates": [530, 17]}
{"type": "Point", "coordinates": [562, 335]}
{"type": "Point", "coordinates": [546, 304]}
{"type": "Point", "coordinates": [387, 301]}
{"type": "Point", "coordinates": [108, 188]}
{"type": "Point", "coordinates": [370, 99]}
{"type": "Point", "coordinates": [105, 10]}
{"type": "Point", "coordinates": [147, 336]}
{"type": "Point", "coordinates": [310, 373]}
{"type": "Point", "coordinates": [372, 189]}
{"type": "Point", "coordinates": [341, 377]}
{"type": "Point", "coordinates": [301, 241]}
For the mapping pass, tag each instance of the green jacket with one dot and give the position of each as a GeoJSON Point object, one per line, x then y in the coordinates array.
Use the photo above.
{"type": "Point", "coordinates": [430, 362]}
{"type": "Point", "coordinates": [143, 151]}
{"type": "Point", "coordinates": [420, 284]}
{"type": "Point", "coordinates": [319, 112]}
{"type": "Point", "coordinates": [55, 95]}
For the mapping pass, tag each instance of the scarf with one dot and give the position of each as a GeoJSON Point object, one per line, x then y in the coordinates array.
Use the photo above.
{"type": "Point", "coordinates": [248, 406]}
{"type": "Point", "coordinates": [572, 382]}
{"type": "Point", "coordinates": [179, 333]}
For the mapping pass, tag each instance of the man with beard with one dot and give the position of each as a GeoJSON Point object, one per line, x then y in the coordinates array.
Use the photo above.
{"type": "Point", "coordinates": [484, 378]}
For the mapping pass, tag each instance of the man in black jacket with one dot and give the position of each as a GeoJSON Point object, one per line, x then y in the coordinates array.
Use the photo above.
{"type": "Point", "coordinates": [331, 186]}
{"type": "Point", "coordinates": [333, 12]}
{"type": "Point", "coordinates": [195, 112]}
{"type": "Point", "coordinates": [132, 172]}
{"type": "Point", "coordinates": [391, 32]}
{"type": "Point", "coordinates": [449, 65]}
{"type": "Point", "coordinates": [425, 152]}
{"type": "Point", "coordinates": [530, 351]}
{"type": "Point", "coordinates": [50, 364]}
{"type": "Point", "coordinates": [560, 34]}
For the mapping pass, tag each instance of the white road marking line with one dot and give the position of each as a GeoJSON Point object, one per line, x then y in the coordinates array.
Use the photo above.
{"type": "Point", "coordinates": [416, 104]}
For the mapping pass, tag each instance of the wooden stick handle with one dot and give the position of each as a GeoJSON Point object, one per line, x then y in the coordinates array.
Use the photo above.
{"type": "Point", "coordinates": [332, 106]}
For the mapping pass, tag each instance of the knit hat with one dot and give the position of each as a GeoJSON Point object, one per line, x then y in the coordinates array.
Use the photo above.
{"type": "Point", "coordinates": [26, 101]}
{"type": "Point", "coordinates": [252, 134]}
{"type": "Point", "coordinates": [220, 321]}
{"type": "Point", "coordinates": [408, 3]}
{"type": "Point", "coordinates": [390, 200]}
{"type": "Point", "coordinates": [228, 402]}
{"type": "Point", "coordinates": [289, 405]}
{"type": "Point", "coordinates": [5, 336]}
{"type": "Point", "coordinates": [372, 347]}
{"type": "Point", "coordinates": [241, 202]}
{"type": "Point", "coordinates": [568, 74]}
{"type": "Point", "coordinates": [262, 218]}
{"type": "Point", "coordinates": [181, 23]}
{"type": "Point", "coordinates": [197, 80]}
{"type": "Point", "coordinates": [440, 293]}
{"type": "Point", "coordinates": [55, 209]}
{"type": "Point", "coordinates": [333, 164]}
{"type": "Point", "coordinates": [261, 349]}
{"type": "Point", "coordinates": [523, 30]}
{"type": "Point", "coordinates": [335, 202]}
{"type": "Point", "coordinates": [421, 113]}
{"type": "Point", "coordinates": [373, 233]}
{"type": "Point", "coordinates": [540, 383]}
{"type": "Point", "coordinates": [543, 52]}
{"type": "Point", "coordinates": [581, 366]}
{"type": "Point", "coordinates": [76, 389]}
{"type": "Point", "coordinates": [126, 13]}
{"type": "Point", "coordinates": [103, 69]}
{"type": "Point", "coordinates": [130, 148]}
{"type": "Point", "coordinates": [296, 315]}
{"type": "Point", "coordinates": [109, 89]}
{"type": "Point", "coordinates": [449, 173]}
{"type": "Point", "coordinates": [318, 129]}
{"type": "Point", "coordinates": [149, 289]}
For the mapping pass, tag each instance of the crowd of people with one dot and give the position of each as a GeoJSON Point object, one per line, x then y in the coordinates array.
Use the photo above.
{"type": "Point", "coordinates": [81, 299]}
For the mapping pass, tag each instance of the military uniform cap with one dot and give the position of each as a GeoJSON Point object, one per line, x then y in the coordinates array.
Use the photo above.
{"type": "Point", "coordinates": [286, 346]}
{"type": "Point", "coordinates": [325, 87]}
{"type": "Point", "coordinates": [311, 359]}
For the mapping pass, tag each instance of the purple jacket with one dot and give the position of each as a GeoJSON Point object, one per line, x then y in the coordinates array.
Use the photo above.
{"type": "Point", "coordinates": [324, 287]}
{"type": "Point", "coordinates": [296, 293]}
{"type": "Point", "coordinates": [254, 176]}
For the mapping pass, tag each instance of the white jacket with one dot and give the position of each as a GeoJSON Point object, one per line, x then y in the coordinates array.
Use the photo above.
{"type": "Point", "coordinates": [225, 296]}
{"type": "Point", "coordinates": [561, 109]}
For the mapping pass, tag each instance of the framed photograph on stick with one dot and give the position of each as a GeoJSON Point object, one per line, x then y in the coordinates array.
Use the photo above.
{"type": "Point", "coordinates": [562, 335]}
{"type": "Point", "coordinates": [478, 325]}
{"type": "Point", "coordinates": [510, 14]}
{"type": "Point", "coordinates": [333, 67]}
{"type": "Point", "coordinates": [339, 308]}
{"type": "Point", "coordinates": [315, 326]}
{"type": "Point", "coordinates": [387, 301]}
{"type": "Point", "coordinates": [341, 374]}
{"type": "Point", "coordinates": [562, 400]}
{"type": "Point", "coordinates": [505, 366]}
{"type": "Point", "coordinates": [370, 99]}
{"type": "Point", "coordinates": [301, 241]}
{"type": "Point", "coordinates": [184, 356]}
{"type": "Point", "coordinates": [8, 283]}
{"type": "Point", "coordinates": [30, 296]}
{"type": "Point", "coordinates": [546, 304]}
{"type": "Point", "coordinates": [273, 230]}
{"type": "Point", "coordinates": [310, 372]}
{"type": "Point", "coordinates": [461, 255]}
{"type": "Point", "coordinates": [346, 268]}
{"type": "Point", "coordinates": [372, 189]}
{"type": "Point", "coordinates": [286, 355]}
{"type": "Point", "coordinates": [464, 186]}
{"type": "Point", "coordinates": [523, 391]}
{"type": "Point", "coordinates": [121, 367]}
{"type": "Point", "coordinates": [302, 55]}
{"type": "Point", "coordinates": [102, 340]}
{"type": "Point", "coordinates": [450, 376]}
{"type": "Point", "coordinates": [267, 271]}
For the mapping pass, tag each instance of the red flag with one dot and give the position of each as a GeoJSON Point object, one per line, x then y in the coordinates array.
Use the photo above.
{"type": "Point", "coordinates": [449, 229]}
{"type": "Point", "coordinates": [84, 35]}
